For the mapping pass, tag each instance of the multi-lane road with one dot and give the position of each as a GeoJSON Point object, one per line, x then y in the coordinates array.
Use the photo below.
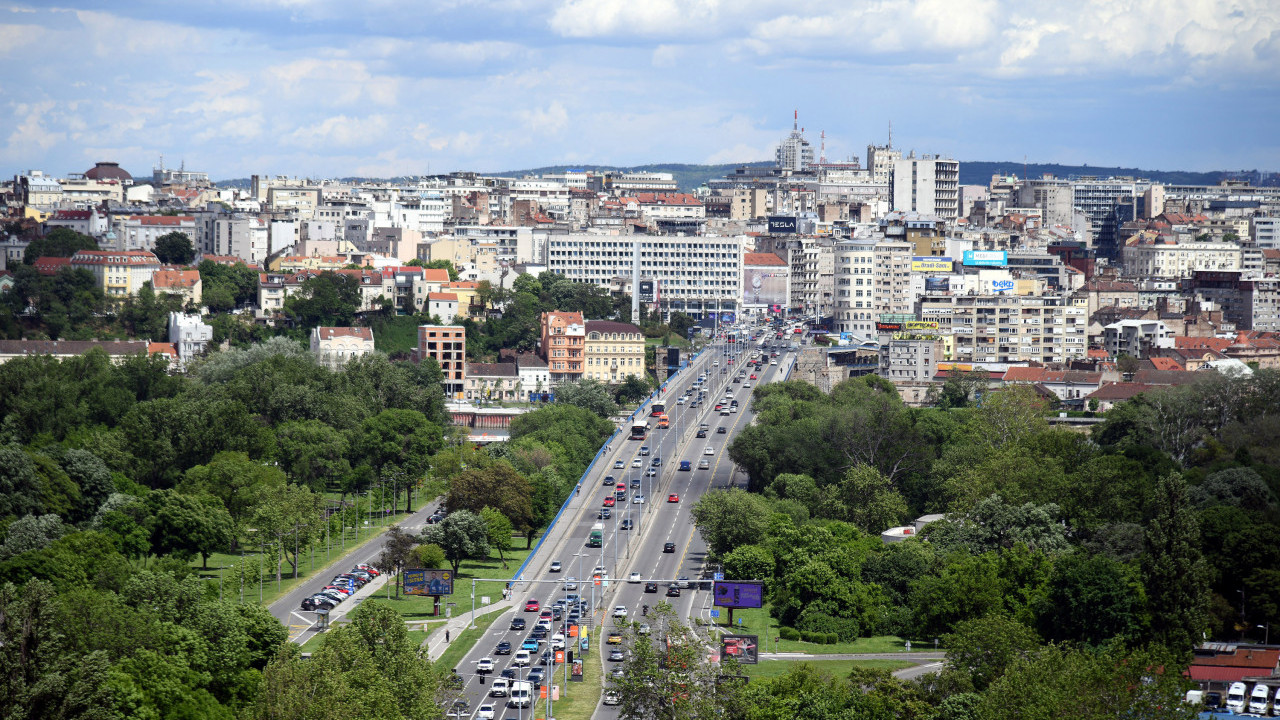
{"type": "Point", "coordinates": [656, 523]}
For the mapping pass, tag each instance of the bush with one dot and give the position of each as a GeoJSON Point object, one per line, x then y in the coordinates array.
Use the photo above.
{"type": "Point", "coordinates": [833, 638]}
{"type": "Point", "coordinates": [787, 633]}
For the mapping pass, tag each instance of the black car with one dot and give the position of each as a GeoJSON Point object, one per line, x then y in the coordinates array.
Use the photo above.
{"type": "Point", "coordinates": [545, 658]}
{"type": "Point", "coordinates": [673, 591]}
{"type": "Point", "coordinates": [535, 675]}
{"type": "Point", "coordinates": [657, 461]}
{"type": "Point", "coordinates": [538, 633]}
{"type": "Point", "coordinates": [721, 430]}
{"type": "Point", "coordinates": [608, 480]}
{"type": "Point", "coordinates": [669, 548]}
{"type": "Point", "coordinates": [701, 433]}
{"type": "Point", "coordinates": [651, 587]}
{"type": "Point", "coordinates": [517, 623]}
{"type": "Point", "coordinates": [508, 672]}
{"type": "Point", "coordinates": [504, 648]}
{"type": "Point", "coordinates": [318, 602]}
{"type": "Point", "coordinates": [604, 514]}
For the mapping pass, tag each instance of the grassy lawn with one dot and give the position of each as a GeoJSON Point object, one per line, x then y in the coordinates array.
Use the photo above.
{"type": "Point", "coordinates": [758, 622]}
{"type": "Point", "coordinates": [462, 644]}
{"type": "Point", "coordinates": [414, 607]}
{"type": "Point", "coordinates": [836, 668]}
{"type": "Point", "coordinates": [578, 700]}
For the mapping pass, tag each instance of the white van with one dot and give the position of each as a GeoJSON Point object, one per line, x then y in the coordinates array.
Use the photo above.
{"type": "Point", "coordinates": [1236, 697]}
{"type": "Point", "coordinates": [521, 659]}
{"type": "Point", "coordinates": [1275, 703]}
{"type": "Point", "coordinates": [1259, 699]}
{"type": "Point", "coordinates": [521, 695]}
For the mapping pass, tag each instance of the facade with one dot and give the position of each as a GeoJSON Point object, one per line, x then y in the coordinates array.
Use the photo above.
{"type": "Point", "coordinates": [118, 273]}
{"type": "Point", "coordinates": [443, 305]}
{"type": "Point", "coordinates": [189, 336]}
{"type": "Point", "coordinates": [493, 382]}
{"type": "Point", "coordinates": [1010, 329]}
{"type": "Point", "coordinates": [1135, 337]}
{"type": "Point", "coordinates": [140, 232]}
{"type": "Point", "coordinates": [927, 184]}
{"type": "Point", "coordinates": [186, 284]}
{"type": "Point", "coordinates": [247, 238]}
{"type": "Point", "coordinates": [447, 345]}
{"type": "Point", "coordinates": [910, 359]}
{"type": "Point", "coordinates": [534, 377]}
{"type": "Point", "coordinates": [613, 350]}
{"type": "Point", "coordinates": [893, 278]}
{"type": "Point", "coordinates": [563, 345]}
{"type": "Point", "coordinates": [766, 283]}
{"type": "Point", "coordinates": [794, 153]}
{"type": "Point", "coordinates": [1179, 260]}
{"type": "Point", "coordinates": [855, 281]}
{"type": "Point", "coordinates": [117, 350]}
{"type": "Point", "coordinates": [335, 346]}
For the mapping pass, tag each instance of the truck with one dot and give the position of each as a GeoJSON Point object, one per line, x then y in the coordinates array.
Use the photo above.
{"type": "Point", "coordinates": [521, 695]}
{"type": "Point", "coordinates": [596, 538]}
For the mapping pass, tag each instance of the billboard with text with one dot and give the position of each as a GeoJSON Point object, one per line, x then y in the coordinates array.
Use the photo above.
{"type": "Point", "coordinates": [428, 582]}
{"type": "Point", "coordinates": [738, 594]}
{"type": "Point", "coordinates": [986, 258]}
{"type": "Point", "coordinates": [743, 648]}
{"type": "Point", "coordinates": [764, 285]}
{"type": "Point", "coordinates": [931, 264]}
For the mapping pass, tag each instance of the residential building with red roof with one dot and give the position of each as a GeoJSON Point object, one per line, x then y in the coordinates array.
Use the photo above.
{"type": "Point", "coordinates": [443, 305]}
{"type": "Point", "coordinates": [563, 345]}
{"type": "Point", "coordinates": [1215, 667]}
{"type": "Point", "coordinates": [493, 381]}
{"type": "Point", "coordinates": [186, 284]}
{"type": "Point", "coordinates": [119, 273]}
{"type": "Point", "coordinates": [49, 265]}
{"type": "Point", "coordinates": [1067, 385]}
{"type": "Point", "coordinates": [336, 346]}
{"type": "Point", "coordinates": [1111, 394]}
{"type": "Point", "coordinates": [140, 232]}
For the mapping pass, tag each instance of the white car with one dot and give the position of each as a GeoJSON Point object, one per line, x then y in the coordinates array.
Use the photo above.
{"type": "Point", "coordinates": [618, 465]}
{"type": "Point", "coordinates": [634, 577]}
{"type": "Point", "coordinates": [521, 658]}
{"type": "Point", "coordinates": [680, 400]}
{"type": "Point", "coordinates": [643, 629]}
{"type": "Point", "coordinates": [555, 566]}
{"type": "Point", "coordinates": [709, 451]}
{"type": "Point", "coordinates": [485, 713]}
{"type": "Point", "coordinates": [570, 583]}
{"type": "Point", "coordinates": [774, 361]}
{"type": "Point", "coordinates": [638, 500]}
{"type": "Point", "coordinates": [635, 463]}
{"type": "Point", "coordinates": [498, 688]}
{"type": "Point", "coordinates": [611, 697]}
{"type": "Point", "coordinates": [484, 665]}
{"type": "Point", "coordinates": [543, 623]}
{"type": "Point", "coordinates": [557, 641]}
{"type": "Point", "coordinates": [620, 612]}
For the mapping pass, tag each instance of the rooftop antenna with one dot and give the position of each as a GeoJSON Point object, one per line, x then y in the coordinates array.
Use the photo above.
{"type": "Point", "coordinates": [795, 124]}
{"type": "Point", "coordinates": [890, 146]}
{"type": "Point", "coordinates": [822, 151]}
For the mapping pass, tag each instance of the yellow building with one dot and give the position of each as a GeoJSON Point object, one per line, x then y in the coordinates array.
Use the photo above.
{"type": "Point", "coordinates": [298, 263]}
{"type": "Point", "coordinates": [466, 293]}
{"type": "Point", "coordinates": [118, 273]}
{"type": "Point", "coordinates": [614, 350]}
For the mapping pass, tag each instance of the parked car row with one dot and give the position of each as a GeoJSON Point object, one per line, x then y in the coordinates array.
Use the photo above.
{"type": "Point", "coordinates": [340, 588]}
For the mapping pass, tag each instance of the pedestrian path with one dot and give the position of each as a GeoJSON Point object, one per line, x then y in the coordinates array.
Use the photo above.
{"type": "Point", "coordinates": [453, 628]}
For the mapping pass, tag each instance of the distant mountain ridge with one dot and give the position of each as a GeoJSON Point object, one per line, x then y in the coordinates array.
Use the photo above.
{"type": "Point", "coordinates": [974, 172]}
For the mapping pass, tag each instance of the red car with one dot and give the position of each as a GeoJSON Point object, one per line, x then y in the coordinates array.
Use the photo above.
{"type": "Point", "coordinates": [531, 605]}
{"type": "Point", "coordinates": [753, 376]}
{"type": "Point", "coordinates": [673, 498]}
{"type": "Point", "coordinates": [609, 501]}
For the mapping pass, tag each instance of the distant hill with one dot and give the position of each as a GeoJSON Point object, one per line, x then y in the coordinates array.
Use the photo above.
{"type": "Point", "coordinates": [972, 172]}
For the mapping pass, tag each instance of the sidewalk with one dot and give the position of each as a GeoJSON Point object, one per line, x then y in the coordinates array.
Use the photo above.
{"type": "Point", "coordinates": [435, 643]}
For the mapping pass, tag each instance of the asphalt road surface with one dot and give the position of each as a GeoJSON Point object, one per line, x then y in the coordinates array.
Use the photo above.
{"type": "Point", "coordinates": [656, 522]}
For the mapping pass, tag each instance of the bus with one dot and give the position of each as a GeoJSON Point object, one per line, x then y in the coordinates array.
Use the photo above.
{"type": "Point", "coordinates": [596, 539]}
{"type": "Point", "coordinates": [658, 408]}
{"type": "Point", "coordinates": [639, 430]}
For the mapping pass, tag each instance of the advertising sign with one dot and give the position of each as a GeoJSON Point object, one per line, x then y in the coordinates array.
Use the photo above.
{"type": "Point", "coordinates": [735, 594]}
{"type": "Point", "coordinates": [888, 327]}
{"type": "Point", "coordinates": [937, 284]}
{"type": "Point", "coordinates": [764, 286]}
{"type": "Point", "coordinates": [743, 648]}
{"type": "Point", "coordinates": [646, 291]}
{"type": "Point", "coordinates": [919, 325]}
{"type": "Point", "coordinates": [986, 258]}
{"type": "Point", "coordinates": [1001, 285]}
{"type": "Point", "coordinates": [931, 264]}
{"type": "Point", "coordinates": [428, 582]}
{"type": "Point", "coordinates": [782, 225]}
{"type": "Point", "coordinates": [728, 317]}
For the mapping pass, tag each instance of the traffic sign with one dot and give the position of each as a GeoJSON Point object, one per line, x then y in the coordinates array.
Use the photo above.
{"type": "Point", "coordinates": [718, 576]}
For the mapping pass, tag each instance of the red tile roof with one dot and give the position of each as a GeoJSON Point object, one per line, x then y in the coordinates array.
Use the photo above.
{"type": "Point", "coordinates": [1164, 363]}
{"type": "Point", "coordinates": [363, 333]}
{"type": "Point", "coordinates": [48, 265]}
{"type": "Point", "coordinates": [1243, 657]}
{"type": "Point", "coordinates": [443, 297]}
{"type": "Point", "coordinates": [175, 278]}
{"type": "Point", "coordinates": [763, 259]}
{"type": "Point", "coordinates": [1215, 344]}
{"type": "Point", "coordinates": [439, 275]}
{"type": "Point", "coordinates": [163, 220]}
{"type": "Point", "coordinates": [158, 348]}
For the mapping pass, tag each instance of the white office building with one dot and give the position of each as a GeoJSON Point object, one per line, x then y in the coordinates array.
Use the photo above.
{"type": "Point", "coordinates": [929, 184]}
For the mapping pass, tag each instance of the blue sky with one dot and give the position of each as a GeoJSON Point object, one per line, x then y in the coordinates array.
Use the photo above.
{"type": "Point", "coordinates": [327, 88]}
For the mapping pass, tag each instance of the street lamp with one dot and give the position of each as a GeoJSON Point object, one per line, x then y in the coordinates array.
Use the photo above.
{"type": "Point", "coordinates": [1267, 637]}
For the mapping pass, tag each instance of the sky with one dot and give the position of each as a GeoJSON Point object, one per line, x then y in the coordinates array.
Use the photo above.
{"type": "Point", "coordinates": [333, 88]}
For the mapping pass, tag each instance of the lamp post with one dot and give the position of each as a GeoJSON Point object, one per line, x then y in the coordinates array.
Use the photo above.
{"type": "Point", "coordinates": [1267, 637]}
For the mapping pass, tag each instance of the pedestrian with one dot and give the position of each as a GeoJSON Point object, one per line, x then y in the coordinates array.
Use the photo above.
{"type": "Point", "coordinates": [446, 635]}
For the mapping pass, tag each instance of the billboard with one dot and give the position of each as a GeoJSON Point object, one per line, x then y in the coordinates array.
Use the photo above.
{"type": "Point", "coordinates": [764, 286]}
{"type": "Point", "coordinates": [931, 264]}
{"type": "Point", "coordinates": [888, 326]}
{"type": "Point", "coordinates": [986, 258]}
{"type": "Point", "coordinates": [673, 357]}
{"type": "Point", "coordinates": [647, 291]}
{"type": "Point", "coordinates": [428, 582]}
{"type": "Point", "coordinates": [735, 594]}
{"type": "Point", "coordinates": [1000, 286]}
{"type": "Point", "coordinates": [920, 326]}
{"type": "Point", "coordinates": [782, 225]}
{"type": "Point", "coordinates": [937, 284]}
{"type": "Point", "coordinates": [743, 648]}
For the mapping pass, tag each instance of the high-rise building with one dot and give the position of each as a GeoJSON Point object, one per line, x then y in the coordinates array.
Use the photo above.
{"type": "Point", "coordinates": [880, 160]}
{"type": "Point", "coordinates": [564, 339]}
{"type": "Point", "coordinates": [927, 184]}
{"type": "Point", "coordinates": [794, 153]}
{"type": "Point", "coordinates": [447, 345]}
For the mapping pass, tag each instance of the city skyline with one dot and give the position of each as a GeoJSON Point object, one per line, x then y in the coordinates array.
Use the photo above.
{"type": "Point", "coordinates": [315, 88]}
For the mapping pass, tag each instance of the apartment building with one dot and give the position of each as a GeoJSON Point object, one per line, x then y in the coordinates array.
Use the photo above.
{"type": "Point", "coordinates": [695, 275]}
{"type": "Point", "coordinates": [1136, 337]}
{"type": "Point", "coordinates": [613, 351]}
{"type": "Point", "coordinates": [118, 273]}
{"type": "Point", "coordinates": [447, 345]}
{"type": "Point", "coordinates": [336, 346]}
{"type": "Point", "coordinates": [855, 310]}
{"type": "Point", "coordinates": [1252, 303]}
{"type": "Point", "coordinates": [892, 275]}
{"type": "Point", "coordinates": [1179, 260]}
{"type": "Point", "coordinates": [185, 284]}
{"type": "Point", "coordinates": [926, 184]}
{"type": "Point", "coordinates": [563, 345]}
{"type": "Point", "coordinates": [140, 232]}
{"type": "Point", "coordinates": [1009, 328]}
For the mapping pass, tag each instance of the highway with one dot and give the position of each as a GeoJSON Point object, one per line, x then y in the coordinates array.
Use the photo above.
{"type": "Point", "coordinates": [656, 522]}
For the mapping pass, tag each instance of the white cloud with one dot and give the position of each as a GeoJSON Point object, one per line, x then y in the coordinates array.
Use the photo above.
{"type": "Point", "coordinates": [595, 18]}
{"type": "Point", "coordinates": [334, 82]}
{"type": "Point", "coordinates": [114, 36]}
{"type": "Point", "coordinates": [16, 37]}
{"type": "Point", "coordinates": [548, 121]}
{"type": "Point", "coordinates": [341, 131]}
{"type": "Point", "coordinates": [739, 153]}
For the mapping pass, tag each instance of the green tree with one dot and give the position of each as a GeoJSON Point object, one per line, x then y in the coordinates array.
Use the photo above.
{"type": "Point", "coordinates": [982, 648]}
{"type": "Point", "coordinates": [498, 486]}
{"type": "Point", "coordinates": [175, 248]}
{"type": "Point", "coordinates": [237, 481]}
{"type": "Point", "coordinates": [329, 299]}
{"type": "Point", "coordinates": [1092, 599]}
{"type": "Point", "coordinates": [748, 562]}
{"type": "Point", "coordinates": [185, 526]}
{"type": "Point", "coordinates": [730, 518]}
{"type": "Point", "coordinates": [58, 242]}
{"type": "Point", "coordinates": [287, 521]}
{"type": "Point", "coordinates": [589, 394]}
{"type": "Point", "coordinates": [1173, 568]}
{"type": "Point", "coordinates": [461, 535]}
{"type": "Point", "coordinates": [397, 440]}
{"type": "Point", "coordinates": [1011, 415]}
{"type": "Point", "coordinates": [870, 501]}
{"type": "Point", "coordinates": [993, 524]}
{"type": "Point", "coordinates": [633, 389]}
{"type": "Point", "coordinates": [312, 453]}
{"type": "Point", "coordinates": [429, 555]}
{"type": "Point", "coordinates": [397, 551]}
{"type": "Point", "coordinates": [499, 529]}
{"type": "Point", "coordinates": [31, 532]}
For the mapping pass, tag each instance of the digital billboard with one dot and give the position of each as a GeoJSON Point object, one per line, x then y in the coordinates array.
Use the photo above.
{"type": "Point", "coordinates": [986, 258]}
{"type": "Point", "coordinates": [764, 286]}
{"type": "Point", "coordinates": [782, 225]}
{"type": "Point", "coordinates": [931, 264]}
{"type": "Point", "coordinates": [888, 326]}
{"type": "Point", "coordinates": [646, 291]}
{"type": "Point", "coordinates": [735, 594]}
{"type": "Point", "coordinates": [743, 648]}
{"type": "Point", "coordinates": [428, 582]}
{"type": "Point", "coordinates": [937, 284]}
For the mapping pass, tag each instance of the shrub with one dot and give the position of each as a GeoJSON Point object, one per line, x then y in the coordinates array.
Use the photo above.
{"type": "Point", "coordinates": [788, 633]}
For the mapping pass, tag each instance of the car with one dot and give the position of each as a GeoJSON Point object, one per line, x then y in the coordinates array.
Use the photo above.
{"type": "Point", "coordinates": [605, 514]}
{"type": "Point", "coordinates": [486, 712]}
{"type": "Point", "coordinates": [614, 638]}
{"type": "Point", "coordinates": [724, 412]}
{"type": "Point", "coordinates": [557, 641]}
{"type": "Point", "coordinates": [503, 648]}
{"type": "Point", "coordinates": [369, 569]}
{"type": "Point", "coordinates": [733, 404]}
{"type": "Point", "coordinates": [609, 501]}
{"type": "Point", "coordinates": [634, 577]}
{"type": "Point", "coordinates": [651, 472]}
{"type": "Point", "coordinates": [673, 591]}
{"type": "Point", "coordinates": [571, 583]}
{"type": "Point", "coordinates": [521, 659]}
{"type": "Point", "coordinates": [635, 483]}
{"type": "Point", "coordinates": [680, 400]}
{"type": "Point", "coordinates": [536, 675]}
{"type": "Point", "coordinates": [508, 673]}
{"type": "Point", "coordinates": [498, 688]}
{"type": "Point", "coordinates": [555, 566]}
{"type": "Point", "coordinates": [685, 466]}
{"type": "Point", "coordinates": [673, 498]}
{"type": "Point", "coordinates": [651, 587]}
{"type": "Point", "coordinates": [668, 547]}
{"type": "Point", "coordinates": [656, 461]}
{"type": "Point", "coordinates": [644, 450]}
{"type": "Point", "coordinates": [618, 465]}
{"type": "Point", "coordinates": [611, 697]}
{"type": "Point", "coordinates": [617, 655]}
{"type": "Point", "coordinates": [618, 672]}
{"type": "Point", "coordinates": [517, 623]}
{"type": "Point", "coordinates": [545, 658]}
{"type": "Point", "coordinates": [701, 433]}
{"type": "Point", "coordinates": [703, 464]}
{"type": "Point", "coordinates": [620, 612]}
{"type": "Point", "coordinates": [733, 409]}
{"type": "Point", "coordinates": [638, 499]}
{"type": "Point", "coordinates": [682, 581]}
{"type": "Point", "coordinates": [484, 665]}
{"type": "Point", "coordinates": [317, 603]}
{"type": "Point", "coordinates": [546, 614]}
{"type": "Point", "coordinates": [709, 451]}
{"type": "Point", "coordinates": [746, 385]}
{"type": "Point", "coordinates": [530, 644]}
{"type": "Point", "coordinates": [753, 376]}
{"type": "Point", "coordinates": [774, 361]}
{"type": "Point", "coordinates": [636, 462]}
{"type": "Point", "coordinates": [541, 628]}
{"type": "Point", "coordinates": [721, 430]}
{"type": "Point", "coordinates": [531, 605]}
{"type": "Point", "coordinates": [644, 629]}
